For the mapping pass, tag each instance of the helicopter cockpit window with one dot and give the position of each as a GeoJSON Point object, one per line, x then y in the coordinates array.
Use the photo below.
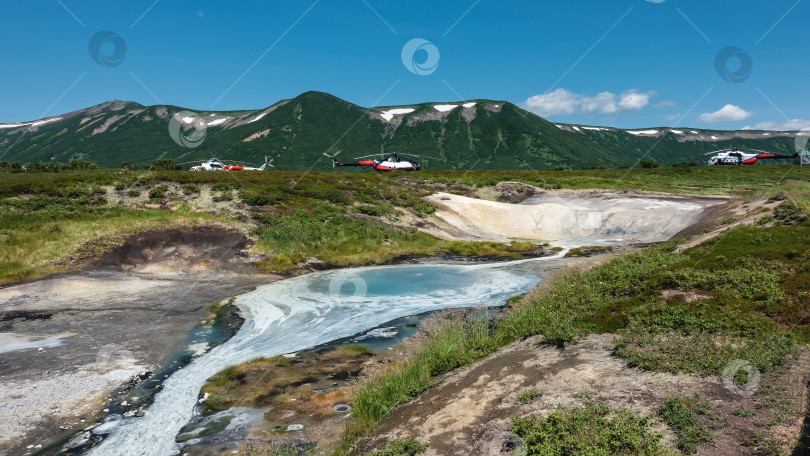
{"type": "Point", "coordinates": [215, 165]}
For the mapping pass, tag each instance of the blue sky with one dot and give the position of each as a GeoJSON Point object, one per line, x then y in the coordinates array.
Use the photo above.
{"type": "Point", "coordinates": [623, 63]}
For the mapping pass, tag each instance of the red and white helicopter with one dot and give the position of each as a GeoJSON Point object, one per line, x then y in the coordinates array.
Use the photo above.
{"type": "Point", "coordinates": [393, 162]}
{"type": "Point", "coordinates": [215, 164]}
{"type": "Point", "coordinates": [740, 157]}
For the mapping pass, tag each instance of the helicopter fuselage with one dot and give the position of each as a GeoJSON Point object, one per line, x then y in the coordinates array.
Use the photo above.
{"type": "Point", "coordinates": [737, 157]}
{"type": "Point", "coordinates": [385, 165]}
{"type": "Point", "coordinates": [215, 165]}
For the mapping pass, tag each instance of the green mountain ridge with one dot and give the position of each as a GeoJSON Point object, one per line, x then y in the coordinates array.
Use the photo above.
{"type": "Point", "coordinates": [474, 135]}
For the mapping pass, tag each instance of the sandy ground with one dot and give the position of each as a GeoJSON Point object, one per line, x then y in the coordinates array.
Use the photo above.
{"type": "Point", "coordinates": [80, 337]}
{"type": "Point", "coordinates": [467, 412]}
{"type": "Point", "coordinates": [569, 216]}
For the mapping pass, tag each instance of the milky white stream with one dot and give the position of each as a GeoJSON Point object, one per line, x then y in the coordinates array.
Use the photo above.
{"type": "Point", "coordinates": [305, 311]}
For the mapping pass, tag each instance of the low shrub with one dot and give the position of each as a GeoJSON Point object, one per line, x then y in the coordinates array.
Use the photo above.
{"type": "Point", "coordinates": [158, 192]}
{"type": "Point", "coordinates": [592, 429]}
{"type": "Point", "coordinates": [190, 189]}
{"type": "Point", "coordinates": [682, 414]}
{"type": "Point", "coordinates": [401, 447]}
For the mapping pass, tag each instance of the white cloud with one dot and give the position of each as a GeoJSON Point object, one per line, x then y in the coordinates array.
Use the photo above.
{"type": "Point", "coordinates": [634, 101]}
{"type": "Point", "coordinates": [726, 113]}
{"type": "Point", "coordinates": [604, 102]}
{"type": "Point", "coordinates": [562, 101]}
{"type": "Point", "coordinates": [788, 125]}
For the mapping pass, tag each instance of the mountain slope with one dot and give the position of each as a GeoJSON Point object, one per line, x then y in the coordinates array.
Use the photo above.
{"type": "Point", "coordinates": [478, 134]}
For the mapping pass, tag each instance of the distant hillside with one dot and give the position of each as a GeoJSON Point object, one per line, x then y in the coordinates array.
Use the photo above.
{"type": "Point", "coordinates": [478, 134]}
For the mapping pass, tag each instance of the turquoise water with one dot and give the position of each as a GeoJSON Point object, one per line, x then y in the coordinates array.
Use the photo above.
{"type": "Point", "coordinates": [400, 281]}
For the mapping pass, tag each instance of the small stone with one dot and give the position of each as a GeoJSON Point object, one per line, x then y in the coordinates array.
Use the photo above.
{"type": "Point", "coordinates": [106, 410]}
{"type": "Point", "coordinates": [124, 404]}
{"type": "Point", "coordinates": [295, 427]}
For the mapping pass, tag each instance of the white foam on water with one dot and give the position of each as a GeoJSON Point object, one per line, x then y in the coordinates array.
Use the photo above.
{"type": "Point", "coordinates": [305, 311]}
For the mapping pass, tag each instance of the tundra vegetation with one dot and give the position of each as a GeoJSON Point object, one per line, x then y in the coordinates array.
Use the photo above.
{"type": "Point", "coordinates": [751, 281]}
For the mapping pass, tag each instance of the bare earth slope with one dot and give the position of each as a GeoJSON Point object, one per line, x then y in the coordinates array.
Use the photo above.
{"type": "Point", "coordinates": [100, 328]}
{"type": "Point", "coordinates": [467, 412]}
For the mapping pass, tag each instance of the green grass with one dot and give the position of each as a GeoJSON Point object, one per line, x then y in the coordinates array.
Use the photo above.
{"type": "Point", "coordinates": [47, 238]}
{"type": "Point", "coordinates": [326, 232]}
{"type": "Point", "coordinates": [442, 348]}
{"type": "Point", "coordinates": [592, 429]}
{"type": "Point", "coordinates": [356, 349]}
{"type": "Point", "coordinates": [682, 414]}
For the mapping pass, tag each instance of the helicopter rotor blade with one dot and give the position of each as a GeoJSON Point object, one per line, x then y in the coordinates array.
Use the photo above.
{"type": "Point", "coordinates": [717, 151]}
{"type": "Point", "coordinates": [368, 156]}
{"type": "Point", "coordinates": [424, 156]}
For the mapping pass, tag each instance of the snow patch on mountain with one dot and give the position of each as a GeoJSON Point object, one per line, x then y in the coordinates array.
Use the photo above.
{"type": "Point", "coordinates": [32, 124]}
{"type": "Point", "coordinates": [388, 115]}
{"type": "Point", "coordinates": [219, 121]}
{"type": "Point", "coordinates": [257, 117]}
